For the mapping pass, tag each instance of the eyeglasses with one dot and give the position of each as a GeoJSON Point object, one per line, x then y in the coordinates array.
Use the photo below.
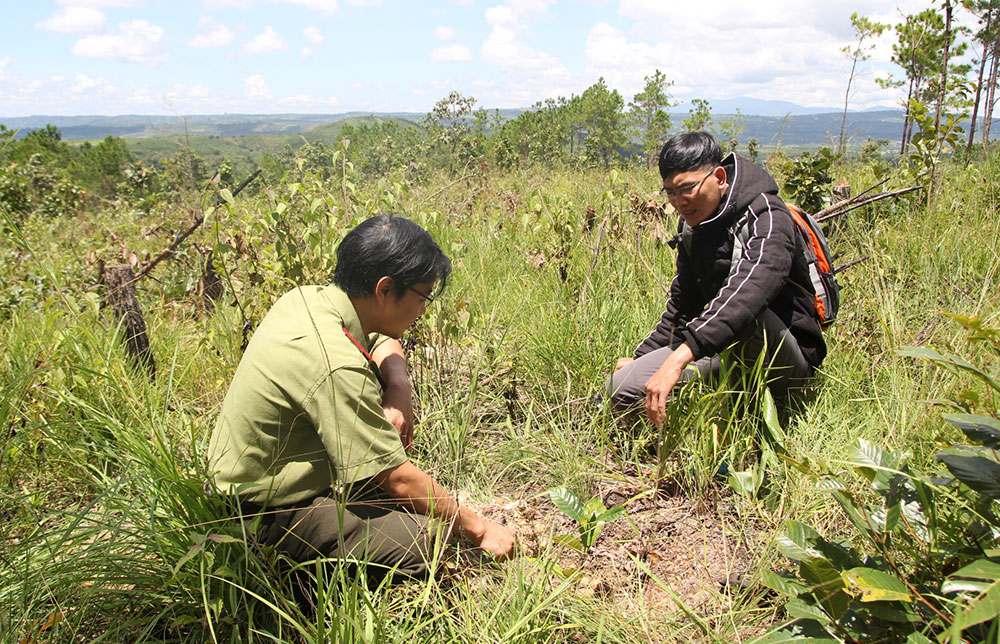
{"type": "Point", "coordinates": [685, 191]}
{"type": "Point", "coordinates": [428, 298]}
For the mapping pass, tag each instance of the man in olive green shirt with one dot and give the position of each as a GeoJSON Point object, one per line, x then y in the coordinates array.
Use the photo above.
{"type": "Point", "coordinates": [314, 429]}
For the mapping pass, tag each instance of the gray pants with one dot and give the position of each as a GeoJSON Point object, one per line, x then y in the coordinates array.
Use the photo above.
{"type": "Point", "coordinates": [784, 365]}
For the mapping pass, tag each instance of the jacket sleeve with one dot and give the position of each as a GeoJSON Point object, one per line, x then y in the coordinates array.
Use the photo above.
{"type": "Point", "coordinates": [681, 307]}
{"type": "Point", "coordinates": [753, 282]}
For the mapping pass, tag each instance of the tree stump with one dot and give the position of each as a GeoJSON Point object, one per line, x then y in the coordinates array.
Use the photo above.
{"type": "Point", "coordinates": [210, 285]}
{"type": "Point", "coordinates": [120, 297]}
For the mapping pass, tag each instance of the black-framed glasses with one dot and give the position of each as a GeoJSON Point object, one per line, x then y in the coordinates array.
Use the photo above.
{"type": "Point", "coordinates": [685, 191]}
{"type": "Point", "coordinates": [427, 298]}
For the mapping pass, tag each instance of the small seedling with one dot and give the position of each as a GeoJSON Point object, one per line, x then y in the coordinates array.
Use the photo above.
{"type": "Point", "coordinates": [590, 517]}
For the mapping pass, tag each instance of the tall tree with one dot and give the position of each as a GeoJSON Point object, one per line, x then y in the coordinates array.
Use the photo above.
{"type": "Point", "coordinates": [602, 115]}
{"type": "Point", "coordinates": [987, 13]}
{"type": "Point", "coordinates": [865, 31]}
{"type": "Point", "coordinates": [945, 54]}
{"type": "Point", "coordinates": [919, 38]}
{"type": "Point", "coordinates": [701, 116]}
{"type": "Point", "coordinates": [448, 123]}
{"type": "Point", "coordinates": [648, 114]}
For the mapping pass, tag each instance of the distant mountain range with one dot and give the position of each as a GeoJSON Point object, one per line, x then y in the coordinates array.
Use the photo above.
{"type": "Point", "coordinates": [769, 121]}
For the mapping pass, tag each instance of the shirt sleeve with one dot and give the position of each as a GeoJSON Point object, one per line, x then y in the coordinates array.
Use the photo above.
{"type": "Point", "coordinates": [348, 416]}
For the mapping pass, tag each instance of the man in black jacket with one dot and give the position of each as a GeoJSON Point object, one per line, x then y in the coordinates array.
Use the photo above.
{"type": "Point", "coordinates": [755, 305]}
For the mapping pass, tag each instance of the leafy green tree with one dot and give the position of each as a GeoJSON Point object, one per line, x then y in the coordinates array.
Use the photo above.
{"type": "Point", "coordinates": [604, 120]}
{"type": "Point", "coordinates": [864, 30]}
{"type": "Point", "coordinates": [987, 13]}
{"type": "Point", "coordinates": [920, 40]}
{"type": "Point", "coordinates": [701, 116]}
{"type": "Point", "coordinates": [545, 132]}
{"type": "Point", "coordinates": [103, 166]}
{"type": "Point", "coordinates": [648, 114]}
{"type": "Point", "coordinates": [448, 125]}
{"type": "Point", "coordinates": [731, 129]}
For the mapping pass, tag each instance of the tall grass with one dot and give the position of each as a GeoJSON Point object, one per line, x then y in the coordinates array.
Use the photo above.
{"type": "Point", "coordinates": [108, 533]}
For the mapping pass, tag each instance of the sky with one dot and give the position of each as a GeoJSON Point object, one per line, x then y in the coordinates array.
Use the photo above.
{"type": "Point", "coordinates": [82, 57]}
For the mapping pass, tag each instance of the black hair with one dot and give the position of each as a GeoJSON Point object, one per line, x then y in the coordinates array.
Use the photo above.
{"type": "Point", "coordinates": [687, 152]}
{"type": "Point", "coordinates": [388, 246]}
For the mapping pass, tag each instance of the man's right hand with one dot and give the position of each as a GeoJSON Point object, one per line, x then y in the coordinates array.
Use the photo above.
{"type": "Point", "coordinates": [623, 362]}
{"type": "Point", "coordinates": [500, 541]}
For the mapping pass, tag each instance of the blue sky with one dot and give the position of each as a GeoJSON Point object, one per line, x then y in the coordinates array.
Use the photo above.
{"type": "Point", "coordinates": [69, 57]}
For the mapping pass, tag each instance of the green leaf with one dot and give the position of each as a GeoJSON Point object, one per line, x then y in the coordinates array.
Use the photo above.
{"type": "Point", "coordinates": [568, 503]}
{"type": "Point", "coordinates": [611, 515]}
{"type": "Point", "coordinates": [803, 630]}
{"type": "Point", "coordinates": [784, 585]}
{"type": "Point", "coordinates": [223, 538]}
{"type": "Point", "coordinates": [874, 463]}
{"type": "Point", "coordinates": [979, 473]}
{"type": "Point", "coordinates": [569, 541]}
{"type": "Point", "coordinates": [799, 609]}
{"type": "Point", "coordinates": [798, 542]}
{"type": "Point", "coordinates": [594, 508]}
{"type": "Point", "coordinates": [227, 195]}
{"type": "Point", "coordinates": [951, 362]}
{"type": "Point", "coordinates": [771, 422]}
{"type": "Point", "coordinates": [875, 585]}
{"type": "Point", "coordinates": [986, 605]}
{"type": "Point", "coordinates": [827, 585]}
{"type": "Point", "coordinates": [981, 429]}
{"type": "Point", "coordinates": [744, 483]}
{"type": "Point", "coordinates": [188, 556]}
{"type": "Point", "coordinates": [917, 638]}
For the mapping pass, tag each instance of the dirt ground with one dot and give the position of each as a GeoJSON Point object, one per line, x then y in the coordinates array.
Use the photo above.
{"type": "Point", "coordinates": [667, 549]}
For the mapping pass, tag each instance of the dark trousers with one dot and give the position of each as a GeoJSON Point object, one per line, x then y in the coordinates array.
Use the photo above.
{"type": "Point", "coordinates": [784, 366]}
{"type": "Point", "coordinates": [370, 532]}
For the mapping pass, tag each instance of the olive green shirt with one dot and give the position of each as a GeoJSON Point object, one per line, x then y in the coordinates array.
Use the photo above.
{"type": "Point", "coordinates": [304, 412]}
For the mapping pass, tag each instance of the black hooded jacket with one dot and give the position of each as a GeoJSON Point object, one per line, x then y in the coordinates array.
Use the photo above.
{"type": "Point", "coordinates": [711, 301]}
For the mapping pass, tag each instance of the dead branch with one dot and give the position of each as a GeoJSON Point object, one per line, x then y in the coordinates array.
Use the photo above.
{"type": "Point", "coordinates": [845, 207]}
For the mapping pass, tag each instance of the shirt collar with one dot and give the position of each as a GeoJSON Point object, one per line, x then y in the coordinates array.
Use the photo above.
{"type": "Point", "coordinates": [349, 316]}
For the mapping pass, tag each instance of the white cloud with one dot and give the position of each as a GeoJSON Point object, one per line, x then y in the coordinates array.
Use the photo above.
{"type": "Point", "coordinates": [141, 96]}
{"type": "Point", "coordinates": [365, 3]}
{"type": "Point", "coordinates": [137, 41]}
{"type": "Point", "coordinates": [255, 88]}
{"type": "Point", "coordinates": [307, 52]}
{"type": "Point", "coordinates": [99, 4]}
{"type": "Point", "coordinates": [267, 42]}
{"type": "Point", "coordinates": [211, 35]}
{"type": "Point", "coordinates": [444, 33]}
{"type": "Point", "coordinates": [506, 47]}
{"type": "Point", "coordinates": [319, 6]}
{"type": "Point", "coordinates": [454, 53]}
{"type": "Point", "coordinates": [73, 20]}
{"type": "Point", "coordinates": [198, 91]}
{"type": "Point", "coordinates": [313, 35]}
{"type": "Point", "coordinates": [227, 4]}
{"type": "Point", "coordinates": [786, 49]}
{"type": "Point", "coordinates": [354, 85]}
{"type": "Point", "coordinates": [84, 83]}
{"type": "Point", "coordinates": [3, 63]}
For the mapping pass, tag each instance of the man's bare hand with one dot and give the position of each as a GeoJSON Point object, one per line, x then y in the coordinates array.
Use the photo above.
{"type": "Point", "coordinates": [661, 385]}
{"type": "Point", "coordinates": [401, 417]}
{"type": "Point", "coordinates": [499, 541]}
{"type": "Point", "coordinates": [397, 399]}
{"type": "Point", "coordinates": [623, 362]}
